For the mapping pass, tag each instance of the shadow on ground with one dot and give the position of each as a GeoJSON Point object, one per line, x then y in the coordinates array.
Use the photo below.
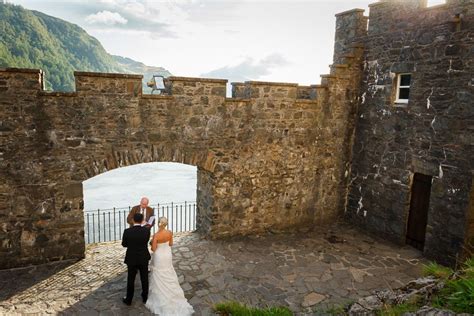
{"type": "Point", "coordinates": [16, 281]}
{"type": "Point", "coordinates": [107, 300]}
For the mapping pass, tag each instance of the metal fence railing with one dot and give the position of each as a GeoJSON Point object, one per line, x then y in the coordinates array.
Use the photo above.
{"type": "Point", "coordinates": [103, 225]}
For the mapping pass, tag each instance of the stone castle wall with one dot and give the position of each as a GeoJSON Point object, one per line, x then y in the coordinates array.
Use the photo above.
{"type": "Point", "coordinates": [275, 156]}
{"type": "Point", "coordinates": [268, 159]}
{"type": "Point", "coordinates": [433, 134]}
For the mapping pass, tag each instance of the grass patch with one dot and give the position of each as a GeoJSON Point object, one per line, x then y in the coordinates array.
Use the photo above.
{"type": "Point", "coordinates": [239, 309]}
{"type": "Point", "coordinates": [413, 304]}
{"type": "Point", "coordinates": [468, 268]}
{"type": "Point", "coordinates": [336, 310]}
{"type": "Point", "coordinates": [437, 270]}
{"type": "Point", "coordinates": [398, 309]}
{"type": "Point", "coordinates": [457, 295]}
{"type": "Point", "coordinates": [458, 292]}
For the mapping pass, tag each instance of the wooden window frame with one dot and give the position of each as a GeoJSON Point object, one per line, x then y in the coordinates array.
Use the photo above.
{"type": "Point", "coordinates": [399, 78]}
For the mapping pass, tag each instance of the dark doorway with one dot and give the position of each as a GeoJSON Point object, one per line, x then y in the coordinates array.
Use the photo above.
{"type": "Point", "coordinates": [418, 215]}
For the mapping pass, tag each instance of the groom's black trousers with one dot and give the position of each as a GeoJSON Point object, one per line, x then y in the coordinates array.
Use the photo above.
{"type": "Point", "coordinates": [132, 272]}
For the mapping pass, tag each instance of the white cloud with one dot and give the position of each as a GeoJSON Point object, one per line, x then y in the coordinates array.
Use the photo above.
{"type": "Point", "coordinates": [137, 9]}
{"type": "Point", "coordinates": [249, 69]}
{"type": "Point", "coordinates": [106, 17]}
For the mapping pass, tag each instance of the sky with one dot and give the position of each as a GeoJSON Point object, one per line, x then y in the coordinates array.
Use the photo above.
{"type": "Point", "coordinates": [265, 40]}
{"type": "Point", "coordinates": [165, 182]}
{"type": "Point", "coordinates": [284, 41]}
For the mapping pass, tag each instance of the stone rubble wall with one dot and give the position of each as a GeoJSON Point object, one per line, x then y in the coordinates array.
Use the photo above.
{"type": "Point", "coordinates": [432, 134]}
{"type": "Point", "coordinates": [267, 158]}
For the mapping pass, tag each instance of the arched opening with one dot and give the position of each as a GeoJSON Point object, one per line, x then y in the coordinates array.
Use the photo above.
{"type": "Point", "coordinates": [108, 198]}
{"type": "Point", "coordinates": [200, 211]}
{"type": "Point", "coordinates": [433, 3]}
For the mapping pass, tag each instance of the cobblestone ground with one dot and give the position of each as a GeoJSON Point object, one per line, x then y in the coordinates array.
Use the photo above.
{"type": "Point", "coordinates": [309, 272]}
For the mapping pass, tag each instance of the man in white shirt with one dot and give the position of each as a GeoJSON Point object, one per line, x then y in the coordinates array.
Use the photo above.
{"type": "Point", "coordinates": [145, 210]}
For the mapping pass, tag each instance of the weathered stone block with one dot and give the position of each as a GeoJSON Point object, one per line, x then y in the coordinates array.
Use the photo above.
{"type": "Point", "coordinates": [73, 190]}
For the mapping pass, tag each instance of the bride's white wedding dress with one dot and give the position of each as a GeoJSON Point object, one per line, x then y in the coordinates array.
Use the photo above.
{"type": "Point", "coordinates": [166, 297]}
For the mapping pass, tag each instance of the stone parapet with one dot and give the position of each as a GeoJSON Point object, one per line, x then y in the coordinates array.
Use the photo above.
{"type": "Point", "coordinates": [108, 83]}
{"type": "Point", "coordinates": [106, 75]}
{"type": "Point", "coordinates": [21, 70]}
{"type": "Point", "coordinates": [256, 171]}
{"type": "Point", "coordinates": [279, 90]}
{"type": "Point", "coordinates": [20, 81]}
{"type": "Point", "coordinates": [180, 86]}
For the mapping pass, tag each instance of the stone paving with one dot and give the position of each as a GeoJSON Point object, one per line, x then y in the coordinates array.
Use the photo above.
{"type": "Point", "coordinates": [308, 272]}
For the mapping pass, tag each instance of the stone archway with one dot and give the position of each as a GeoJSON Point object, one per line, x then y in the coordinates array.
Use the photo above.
{"type": "Point", "coordinates": [267, 158]}
{"type": "Point", "coordinates": [204, 162]}
{"type": "Point", "coordinates": [112, 159]}
{"type": "Point", "coordinates": [57, 232]}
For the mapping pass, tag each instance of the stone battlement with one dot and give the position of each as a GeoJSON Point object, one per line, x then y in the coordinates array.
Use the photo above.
{"type": "Point", "coordinates": [256, 172]}
{"type": "Point", "coordinates": [93, 82]}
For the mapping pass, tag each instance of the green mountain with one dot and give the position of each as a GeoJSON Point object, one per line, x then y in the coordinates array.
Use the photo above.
{"type": "Point", "coordinates": [31, 39]}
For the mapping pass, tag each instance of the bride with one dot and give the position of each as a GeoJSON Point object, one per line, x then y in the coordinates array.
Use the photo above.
{"type": "Point", "coordinates": [165, 298]}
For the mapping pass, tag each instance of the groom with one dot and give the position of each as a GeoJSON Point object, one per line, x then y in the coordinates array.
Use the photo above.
{"type": "Point", "coordinates": [135, 239]}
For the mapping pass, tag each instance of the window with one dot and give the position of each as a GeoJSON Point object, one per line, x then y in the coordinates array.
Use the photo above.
{"type": "Point", "coordinates": [403, 88]}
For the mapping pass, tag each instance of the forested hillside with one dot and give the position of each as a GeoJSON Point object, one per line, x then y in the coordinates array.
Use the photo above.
{"type": "Point", "coordinates": [31, 39]}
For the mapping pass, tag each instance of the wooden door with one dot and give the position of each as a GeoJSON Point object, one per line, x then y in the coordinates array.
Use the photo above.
{"type": "Point", "coordinates": [418, 215]}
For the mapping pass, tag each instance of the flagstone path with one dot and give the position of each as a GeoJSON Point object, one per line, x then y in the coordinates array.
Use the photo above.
{"type": "Point", "coordinates": [308, 272]}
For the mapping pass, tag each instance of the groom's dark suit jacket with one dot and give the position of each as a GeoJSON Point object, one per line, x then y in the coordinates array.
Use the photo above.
{"type": "Point", "coordinates": [136, 240]}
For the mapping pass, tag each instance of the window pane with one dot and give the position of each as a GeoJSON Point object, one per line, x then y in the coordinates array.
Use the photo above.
{"type": "Point", "coordinates": [405, 80]}
{"type": "Point", "coordinates": [404, 93]}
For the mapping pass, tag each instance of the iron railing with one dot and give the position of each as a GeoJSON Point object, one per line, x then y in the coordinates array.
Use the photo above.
{"type": "Point", "coordinates": [103, 225]}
